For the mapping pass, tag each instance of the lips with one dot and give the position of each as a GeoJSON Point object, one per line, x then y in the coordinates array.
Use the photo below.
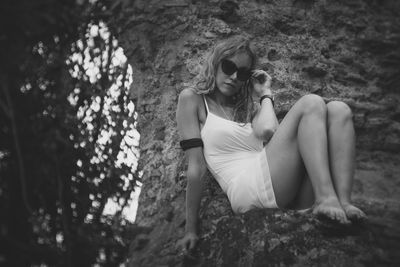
{"type": "Point", "coordinates": [230, 84]}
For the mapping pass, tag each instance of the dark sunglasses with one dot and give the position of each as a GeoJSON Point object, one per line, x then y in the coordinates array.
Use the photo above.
{"type": "Point", "coordinates": [229, 68]}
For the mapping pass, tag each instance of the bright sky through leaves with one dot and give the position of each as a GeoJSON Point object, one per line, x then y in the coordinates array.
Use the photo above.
{"type": "Point", "coordinates": [92, 60]}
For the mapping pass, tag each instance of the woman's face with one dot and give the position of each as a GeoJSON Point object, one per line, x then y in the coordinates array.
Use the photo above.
{"type": "Point", "coordinates": [227, 84]}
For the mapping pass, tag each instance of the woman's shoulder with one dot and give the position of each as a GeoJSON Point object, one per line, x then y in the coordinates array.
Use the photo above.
{"type": "Point", "coordinates": [191, 102]}
{"type": "Point", "coordinates": [189, 95]}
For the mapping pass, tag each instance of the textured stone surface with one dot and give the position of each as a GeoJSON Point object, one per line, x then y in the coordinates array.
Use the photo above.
{"type": "Point", "coordinates": [346, 50]}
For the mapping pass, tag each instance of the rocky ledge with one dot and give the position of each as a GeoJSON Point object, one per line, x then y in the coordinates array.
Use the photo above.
{"type": "Point", "coordinates": [268, 237]}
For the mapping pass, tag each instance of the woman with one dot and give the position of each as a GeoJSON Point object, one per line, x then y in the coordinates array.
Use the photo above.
{"type": "Point", "coordinates": [308, 160]}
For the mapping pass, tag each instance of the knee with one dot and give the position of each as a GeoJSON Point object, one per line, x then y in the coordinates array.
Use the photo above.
{"type": "Point", "coordinates": [338, 110]}
{"type": "Point", "coordinates": [313, 104]}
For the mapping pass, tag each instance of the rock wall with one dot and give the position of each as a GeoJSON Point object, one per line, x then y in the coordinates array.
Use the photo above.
{"type": "Point", "coordinates": [347, 50]}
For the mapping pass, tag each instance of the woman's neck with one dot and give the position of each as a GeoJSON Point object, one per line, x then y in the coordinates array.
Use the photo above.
{"type": "Point", "coordinates": [221, 99]}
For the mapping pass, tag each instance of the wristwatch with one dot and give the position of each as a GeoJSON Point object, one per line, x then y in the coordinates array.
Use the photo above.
{"type": "Point", "coordinates": [268, 96]}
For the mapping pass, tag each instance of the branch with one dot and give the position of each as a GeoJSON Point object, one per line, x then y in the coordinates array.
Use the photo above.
{"type": "Point", "coordinates": [64, 218]}
{"type": "Point", "coordinates": [5, 109]}
{"type": "Point", "coordinates": [122, 88]}
{"type": "Point", "coordinates": [97, 215]}
{"type": "Point", "coordinates": [104, 84]}
{"type": "Point", "coordinates": [17, 145]}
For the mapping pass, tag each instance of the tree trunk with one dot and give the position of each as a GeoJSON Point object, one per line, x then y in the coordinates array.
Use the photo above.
{"type": "Point", "coordinates": [347, 51]}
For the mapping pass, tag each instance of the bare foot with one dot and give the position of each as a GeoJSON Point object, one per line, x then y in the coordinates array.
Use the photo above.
{"type": "Point", "coordinates": [354, 213]}
{"type": "Point", "coordinates": [331, 209]}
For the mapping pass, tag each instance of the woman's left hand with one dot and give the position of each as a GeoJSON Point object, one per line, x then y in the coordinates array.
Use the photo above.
{"type": "Point", "coordinates": [261, 81]}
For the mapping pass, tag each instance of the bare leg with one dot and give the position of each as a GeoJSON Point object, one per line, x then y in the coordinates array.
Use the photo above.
{"type": "Point", "coordinates": [341, 137]}
{"type": "Point", "coordinates": [305, 196]}
{"type": "Point", "coordinates": [301, 140]}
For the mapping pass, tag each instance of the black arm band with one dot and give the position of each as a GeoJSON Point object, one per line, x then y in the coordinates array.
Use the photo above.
{"type": "Point", "coordinates": [190, 143]}
{"type": "Point", "coordinates": [267, 96]}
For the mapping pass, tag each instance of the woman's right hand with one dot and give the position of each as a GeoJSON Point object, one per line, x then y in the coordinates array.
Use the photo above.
{"type": "Point", "coordinates": [261, 83]}
{"type": "Point", "coordinates": [188, 242]}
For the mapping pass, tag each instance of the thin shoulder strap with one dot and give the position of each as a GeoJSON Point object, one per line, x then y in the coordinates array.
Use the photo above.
{"type": "Point", "coordinates": [205, 103]}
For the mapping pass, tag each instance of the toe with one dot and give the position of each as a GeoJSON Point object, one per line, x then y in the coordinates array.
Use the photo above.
{"type": "Point", "coordinates": [339, 216]}
{"type": "Point", "coordinates": [361, 215]}
{"type": "Point", "coordinates": [355, 213]}
{"type": "Point", "coordinates": [332, 215]}
{"type": "Point", "coordinates": [336, 216]}
{"type": "Point", "coordinates": [342, 217]}
{"type": "Point", "coordinates": [345, 219]}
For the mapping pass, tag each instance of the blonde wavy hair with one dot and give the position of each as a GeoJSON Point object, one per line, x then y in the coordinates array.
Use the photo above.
{"type": "Point", "coordinates": [205, 82]}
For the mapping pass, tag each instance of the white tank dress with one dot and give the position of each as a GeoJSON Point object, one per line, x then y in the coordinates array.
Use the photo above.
{"type": "Point", "coordinates": [238, 161]}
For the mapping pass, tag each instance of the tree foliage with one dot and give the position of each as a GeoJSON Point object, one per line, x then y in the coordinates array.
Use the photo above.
{"type": "Point", "coordinates": [67, 135]}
